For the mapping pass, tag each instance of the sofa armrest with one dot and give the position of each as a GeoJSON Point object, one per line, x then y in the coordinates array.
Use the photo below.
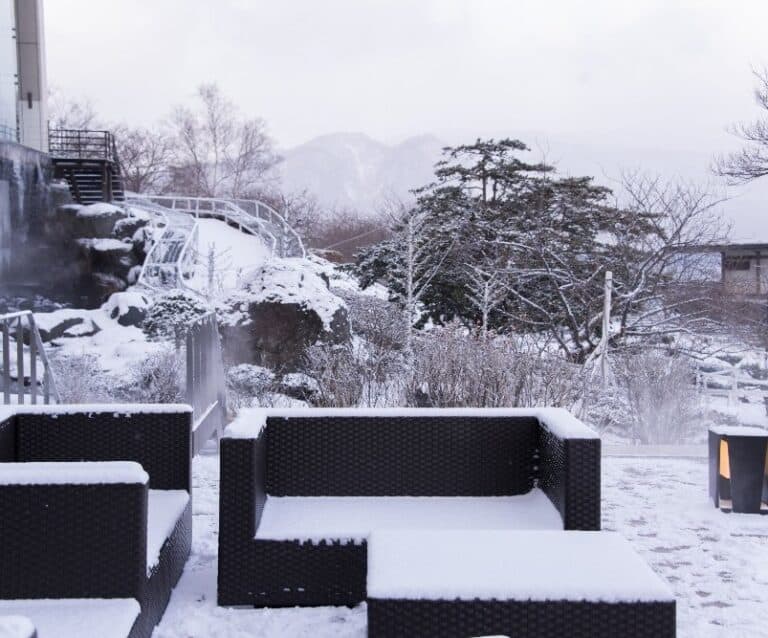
{"type": "Point", "coordinates": [569, 471]}
{"type": "Point", "coordinates": [158, 437]}
{"type": "Point", "coordinates": [73, 530]}
{"type": "Point", "coordinates": [7, 437]}
{"type": "Point", "coordinates": [242, 496]}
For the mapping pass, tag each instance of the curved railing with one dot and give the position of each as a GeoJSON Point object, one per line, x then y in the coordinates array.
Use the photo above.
{"type": "Point", "coordinates": [171, 258]}
{"type": "Point", "coordinates": [250, 216]}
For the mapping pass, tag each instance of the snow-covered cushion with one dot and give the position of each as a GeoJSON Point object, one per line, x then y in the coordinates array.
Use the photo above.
{"type": "Point", "coordinates": [164, 509]}
{"type": "Point", "coordinates": [353, 518]}
{"type": "Point", "coordinates": [16, 627]}
{"type": "Point", "coordinates": [510, 565]}
{"type": "Point", "coordinates": [73, 618]}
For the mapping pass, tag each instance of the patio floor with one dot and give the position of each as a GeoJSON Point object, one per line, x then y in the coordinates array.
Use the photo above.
{"type": "Point", "coordinates": [717, 564]}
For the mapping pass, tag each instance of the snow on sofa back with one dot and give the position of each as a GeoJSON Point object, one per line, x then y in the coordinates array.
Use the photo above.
{"type": "Point", "coordinates": [158, 437]}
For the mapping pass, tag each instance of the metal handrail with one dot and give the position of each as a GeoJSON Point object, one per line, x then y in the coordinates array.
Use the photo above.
{"type": "Point", "coordinates": [36, 349]}
{"type": "Point", "coordinates": [82, 144]}
{"type": "Point", "coordinates": [180, 265]}
{"type": "Point", "coordinates": [239, 212]}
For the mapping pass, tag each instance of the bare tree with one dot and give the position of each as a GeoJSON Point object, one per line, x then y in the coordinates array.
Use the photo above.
{"type": "Point", "coordinates": [751, 162]}
{"type": "Point", "coordinates": [487, 291]}
{"type": "Point", "coordinates": [217, 151]}
{"type": "Point", "coordinates": [65, 112]}
{"type": "Point", "coordinates": [144, 157]}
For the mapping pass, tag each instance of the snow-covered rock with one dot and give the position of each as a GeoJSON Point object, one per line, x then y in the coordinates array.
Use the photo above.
{"type": "Point", "coordinates": [64, 323]}
{"type": "Point", "coordinates": [299, 386]}
{"type": "Point", "coordinates": [127, 308]}
{"type": "Point", "coordinates": [285, 307]}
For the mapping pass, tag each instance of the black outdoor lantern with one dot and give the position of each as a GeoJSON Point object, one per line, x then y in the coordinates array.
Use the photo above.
{"type": "Point", "coordinates": [738, 469]}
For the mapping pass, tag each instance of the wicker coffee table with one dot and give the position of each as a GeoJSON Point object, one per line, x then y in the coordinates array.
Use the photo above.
{"type": "Point", "coordinates": [540, 584]}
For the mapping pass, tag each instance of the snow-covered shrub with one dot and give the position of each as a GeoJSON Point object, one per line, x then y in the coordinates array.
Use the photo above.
{"type": "Point", "coordinates": [453, 368]}
{"type": "Point", "coordinates": [170, 315]}
{"type": "Point", "coordinates": [158, 378]}
{"type": "Point", "coordinates": [378, 321]}
{"type": "Point", "coordinates": [79, 379]}
{"type": "Point", "coordinates": [663, 405]}
{"type": "Point", "coordinates": [339, 374]}
{"type": "Point", "coordinates": [248, 385]}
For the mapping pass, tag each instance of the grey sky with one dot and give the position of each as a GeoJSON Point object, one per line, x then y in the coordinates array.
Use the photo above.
{"type": "Point", "coordinates": [602, 83]}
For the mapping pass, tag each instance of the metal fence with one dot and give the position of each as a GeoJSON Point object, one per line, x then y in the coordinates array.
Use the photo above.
{"type": "Point", "coordinates": [20, 362]}
{"type": "Point", "coordinates": [206, 391]}
{"type": "Point", "coordinates": [82, 145]}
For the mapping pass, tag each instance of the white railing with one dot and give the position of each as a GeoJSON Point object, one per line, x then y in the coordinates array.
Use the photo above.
{"type": "Point", "coordinates": [250, 216]}
{"type": "Point", "coordinates": [18, 323]}
{"type": "Point", "coordinates": [162, 261]}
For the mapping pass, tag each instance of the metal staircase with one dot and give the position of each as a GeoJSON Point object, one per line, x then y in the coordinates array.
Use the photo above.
{"type": "Point", "coordinates": [88, 161]}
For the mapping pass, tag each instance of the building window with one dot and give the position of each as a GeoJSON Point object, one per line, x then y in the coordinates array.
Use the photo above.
{"type": "Point", "coordinates": [736, 263]}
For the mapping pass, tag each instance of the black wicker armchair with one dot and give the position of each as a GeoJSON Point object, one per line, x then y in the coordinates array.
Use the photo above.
{"type": "Point", "coordinates": [545, 458]}
{"type": "Point", "coordinates": [76, 521]}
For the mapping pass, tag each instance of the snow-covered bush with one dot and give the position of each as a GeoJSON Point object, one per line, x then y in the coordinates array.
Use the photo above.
{"type": "Point", "coordinates": [79, 379]}
{"type": "Point", "coordinates": [339, 373]}
{"type": "Point", "coordinates": [158, 378]}
{"type": "Point", "coordinates": [170, 315]}
{"type": "Point", "coordinates": [452, 368]}
{"type": "Point", "coordinates": [663, 405]}
{"type": "Point", "coordinates": [248, 385]}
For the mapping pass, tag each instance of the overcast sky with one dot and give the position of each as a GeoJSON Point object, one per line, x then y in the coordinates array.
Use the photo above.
{"type": "Point", "coordinates": [601, 83]}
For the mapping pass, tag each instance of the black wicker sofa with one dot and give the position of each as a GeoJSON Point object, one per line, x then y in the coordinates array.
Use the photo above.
{"type": "Point", "coordinates": [95, 515]}
{"type": "Point", "coordinates": [285, 471]}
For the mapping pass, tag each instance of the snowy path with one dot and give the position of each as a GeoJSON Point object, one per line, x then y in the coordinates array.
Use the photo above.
{"type": "Point", "coordinates": [717, 564]}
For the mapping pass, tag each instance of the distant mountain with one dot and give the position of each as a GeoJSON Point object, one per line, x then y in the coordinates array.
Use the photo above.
{"type": "Point", "coordinates": [353, 170]}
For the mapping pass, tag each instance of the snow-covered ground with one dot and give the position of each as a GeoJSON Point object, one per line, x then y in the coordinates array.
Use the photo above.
{"type": "Point", "coordinates": [715, 563]}
{"type": "Point", "coordinates": [235, 253]}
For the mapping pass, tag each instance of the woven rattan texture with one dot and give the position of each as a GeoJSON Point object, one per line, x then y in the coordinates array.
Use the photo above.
{"type": "Point", "coordinates": [73, 541]}
{"type": "Point", "coordinates": [418, 456]}
{"type": "Point", "coordinates": [158, 588]}
{"type": "Point", "coordinates": [569, 474]}
{"type": "Point", "coordinates": [289, 573]}
{"type": "Point", "coordinates": [8, 439]}
{"type": "Point", "coordinates": [241, 501]}
{"type": "Point", "coordinates": [159, 442]}
{"type": "Point", "coordinates": [521, 619]}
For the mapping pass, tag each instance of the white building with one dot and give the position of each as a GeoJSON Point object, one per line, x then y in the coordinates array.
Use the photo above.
{"type": "Point", "coordinates": [23, 86]}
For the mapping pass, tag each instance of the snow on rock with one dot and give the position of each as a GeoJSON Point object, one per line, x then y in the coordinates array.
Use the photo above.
{"type": "Point", "coordinates": [100, 209]}
{"type": "Point", "coordinates": [557, 420]}
{"type": "Point", "coordinates": [127, 308]}
{"type": "Point", "coordinates": [72, 617]}
{"type": "Point", "coordinates": [293, 281]}
{"type": "Point", "coordinates": [72, 473]}
{"type": "Point", "coordinates": [283, 309]}
{"type": "Point", "coordinates": [509, 565]}
{"type": "Point", "coordinates": [58, 323]}
{"type": "Point", "coordinates": [106, 245]}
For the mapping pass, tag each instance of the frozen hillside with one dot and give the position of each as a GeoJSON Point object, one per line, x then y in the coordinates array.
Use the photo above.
{"type": "Point", "coordinates": [232, 253]}
{"type": "Point", "coordinates": [354, 170]}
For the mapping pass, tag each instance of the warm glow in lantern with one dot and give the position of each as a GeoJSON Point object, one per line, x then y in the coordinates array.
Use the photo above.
{"type": "Point", "coordinates": [725, 464]}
